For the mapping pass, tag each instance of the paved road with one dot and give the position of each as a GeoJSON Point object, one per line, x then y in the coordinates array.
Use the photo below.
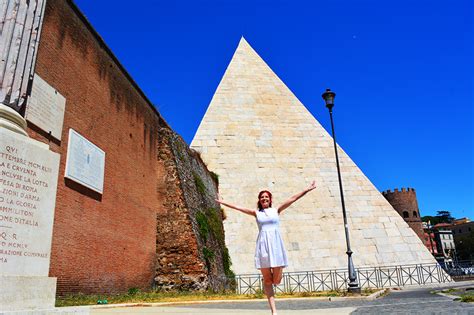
{"type": "Point", "coordinates": [415, 301]}
{"type": "Point", "coordinates": [407, 301]}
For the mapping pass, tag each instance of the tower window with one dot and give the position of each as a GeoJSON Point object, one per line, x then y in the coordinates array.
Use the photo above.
{"type": "Point", "coordinates": [415, 215]}
{"type": "Point", "coordinates": [405, 214]}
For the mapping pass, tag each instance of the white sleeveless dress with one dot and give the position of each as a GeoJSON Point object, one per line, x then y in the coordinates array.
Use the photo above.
{"type": "Point", "coordinates": [270, 251]}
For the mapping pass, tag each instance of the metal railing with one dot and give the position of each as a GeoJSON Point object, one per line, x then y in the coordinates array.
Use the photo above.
{"type": "Point", "coordinates": [326, 280]}
{"type": "Point", "coordinates": [459, 270]}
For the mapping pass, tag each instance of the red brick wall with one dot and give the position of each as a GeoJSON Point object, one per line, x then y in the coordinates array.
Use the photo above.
{"type": "Point", "coordinates": [101, 243]}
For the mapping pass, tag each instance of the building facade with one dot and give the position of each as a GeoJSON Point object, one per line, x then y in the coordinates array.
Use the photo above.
{"type": "Point", "coordinates": [430, 239]}
{"type": "Point", "coordinates": [461, 229]}
{"type": "Point", "coordinates": [445, 242]}
{"type": "Point", "coordinates": [463, 233]}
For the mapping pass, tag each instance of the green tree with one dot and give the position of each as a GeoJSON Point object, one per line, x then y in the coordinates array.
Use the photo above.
{"type": "Point", "coordinates": [442, 216]}
{"type": "Point", "coordinates": [445, 216]}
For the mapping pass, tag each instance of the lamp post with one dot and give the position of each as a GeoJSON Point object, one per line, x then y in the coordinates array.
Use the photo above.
{"type": "Point", "coordinates": [354, 286]}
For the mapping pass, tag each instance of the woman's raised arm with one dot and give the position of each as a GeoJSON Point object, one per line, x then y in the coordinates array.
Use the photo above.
{"type": "Point", "coordinates": [241, 209]}
{"type": "Point", "coordinates": [295, 197]}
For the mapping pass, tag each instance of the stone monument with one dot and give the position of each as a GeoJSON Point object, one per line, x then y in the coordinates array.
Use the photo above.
{"type": "Point", "coordinates": [29, 171]}
{"type": "Point", "coordinates": [257, 135]}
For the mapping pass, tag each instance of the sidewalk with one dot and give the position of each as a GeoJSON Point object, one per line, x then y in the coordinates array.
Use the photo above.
{"type": "Point", "coordinates": [414, 300]}
{"type": "Point", "coordinates": [407, 300]}
{"type": "Point", "coordinates": [212, 307]}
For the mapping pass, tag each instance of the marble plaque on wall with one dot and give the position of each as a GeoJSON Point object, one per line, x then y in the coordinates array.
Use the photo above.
{"type": "Point", "coordinates": [28, 184]}
{"type": "Point", "coordinates": [46, 107]}
{"type": "Point", "coordinates": [85, 162]}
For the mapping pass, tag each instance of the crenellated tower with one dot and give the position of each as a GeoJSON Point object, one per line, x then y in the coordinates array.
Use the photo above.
{"type": "Point", "coordinates": [406, 204]}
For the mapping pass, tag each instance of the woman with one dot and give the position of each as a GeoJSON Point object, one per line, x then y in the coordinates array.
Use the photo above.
{"type": "Point", "coordinates": [270, 255]}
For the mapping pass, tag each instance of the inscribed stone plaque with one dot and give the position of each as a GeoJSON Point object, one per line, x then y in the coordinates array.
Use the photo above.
{"type": "Point", "coordinates": [28, 182]}
{"type": "Point", "coordinates": [46, 107]}
{"type": "Point", "coordinates": [85, 162]}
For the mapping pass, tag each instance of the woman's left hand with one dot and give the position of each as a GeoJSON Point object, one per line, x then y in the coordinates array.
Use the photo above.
{"type": "Point", "coordinates": [311, 186]}
{"type": "Point", "coordinates": [219, 199]}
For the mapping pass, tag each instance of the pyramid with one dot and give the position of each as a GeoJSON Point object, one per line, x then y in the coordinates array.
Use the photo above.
{"type": "Point", "coordinates": [257, 135]}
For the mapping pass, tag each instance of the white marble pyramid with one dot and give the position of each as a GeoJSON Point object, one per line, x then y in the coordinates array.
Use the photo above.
{"type": "Point", "coordinates": [257, 135]}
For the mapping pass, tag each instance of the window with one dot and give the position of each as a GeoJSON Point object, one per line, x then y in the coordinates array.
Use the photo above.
{"type": "Point", "coordinates": [405, 214]}
{"type": "Point", "coordinates": [415, 215]}
{"type": "Point", "coordinates": [469, 229]}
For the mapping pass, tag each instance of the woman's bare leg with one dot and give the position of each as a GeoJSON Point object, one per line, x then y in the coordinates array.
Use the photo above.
{"type": "Point", "coordinates": [277, 273]}
{"type": "Point", "coordinates": [268, 288]}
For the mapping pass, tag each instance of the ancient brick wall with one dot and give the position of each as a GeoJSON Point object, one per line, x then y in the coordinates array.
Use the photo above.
{"type": "Point", "coordinates": [406, 204]}
{"type": "Point", "coordinates": [107, 243]}
{"type": "Point", "coordinates": [196, 257]}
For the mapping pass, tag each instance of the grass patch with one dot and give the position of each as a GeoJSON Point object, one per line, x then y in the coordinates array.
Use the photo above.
{"type": "Point", "coordinates": [180, 154]}
{"type": "Point", "coordinates": [137, 296]}
{"type": "Point", "coordinates": [210, 224]}
{"type": "Point", "coordinates": [208, 256]}
{"type": "Point", "coordinates": [214, 177]}
{"type": "Point", "coordinates": [332, 293]}
{"type": "Point", "coordinates": [133, 291]}
{"type": "Point", "coordinates": [469, 298]}
{"type": "Point", "coordinates": [201, 188]}
{"type": "Point", "coordinates": [227, 264]}
{"type": "Point", "coordinates": [215, 224]}
{"type": "Point", "coordinates": [203, 224]}
{"type": "Point", "coordinates": [449, 290]}
{"type": "Point", "coordinates": [463, 294]}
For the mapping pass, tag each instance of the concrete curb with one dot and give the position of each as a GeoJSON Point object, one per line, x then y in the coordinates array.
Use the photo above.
{"type": "Point", "coordinates": [377, 294]}
{"type": "Point", "coordinates": [452, 297]}
{"type": "Point", "coordinates": [459, 286]}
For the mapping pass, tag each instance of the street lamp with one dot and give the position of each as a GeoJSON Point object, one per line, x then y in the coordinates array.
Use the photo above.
{"type": "Point", "coordinates": [354, 286]}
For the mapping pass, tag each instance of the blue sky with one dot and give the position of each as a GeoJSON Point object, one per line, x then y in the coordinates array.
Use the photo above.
{"type": "Point", "coordinates": [402, 71]}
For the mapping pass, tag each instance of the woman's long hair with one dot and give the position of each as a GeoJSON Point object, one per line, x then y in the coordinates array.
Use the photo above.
{"type": "Point", "coordinates": [260, 195]}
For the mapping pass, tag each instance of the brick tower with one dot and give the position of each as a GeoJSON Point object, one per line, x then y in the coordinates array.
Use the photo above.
{"type": "Point", "coordinates": [405, 203]}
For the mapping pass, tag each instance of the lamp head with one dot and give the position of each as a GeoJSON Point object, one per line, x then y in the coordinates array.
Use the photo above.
{"type": "Point", "coordinates": [328, 97]}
